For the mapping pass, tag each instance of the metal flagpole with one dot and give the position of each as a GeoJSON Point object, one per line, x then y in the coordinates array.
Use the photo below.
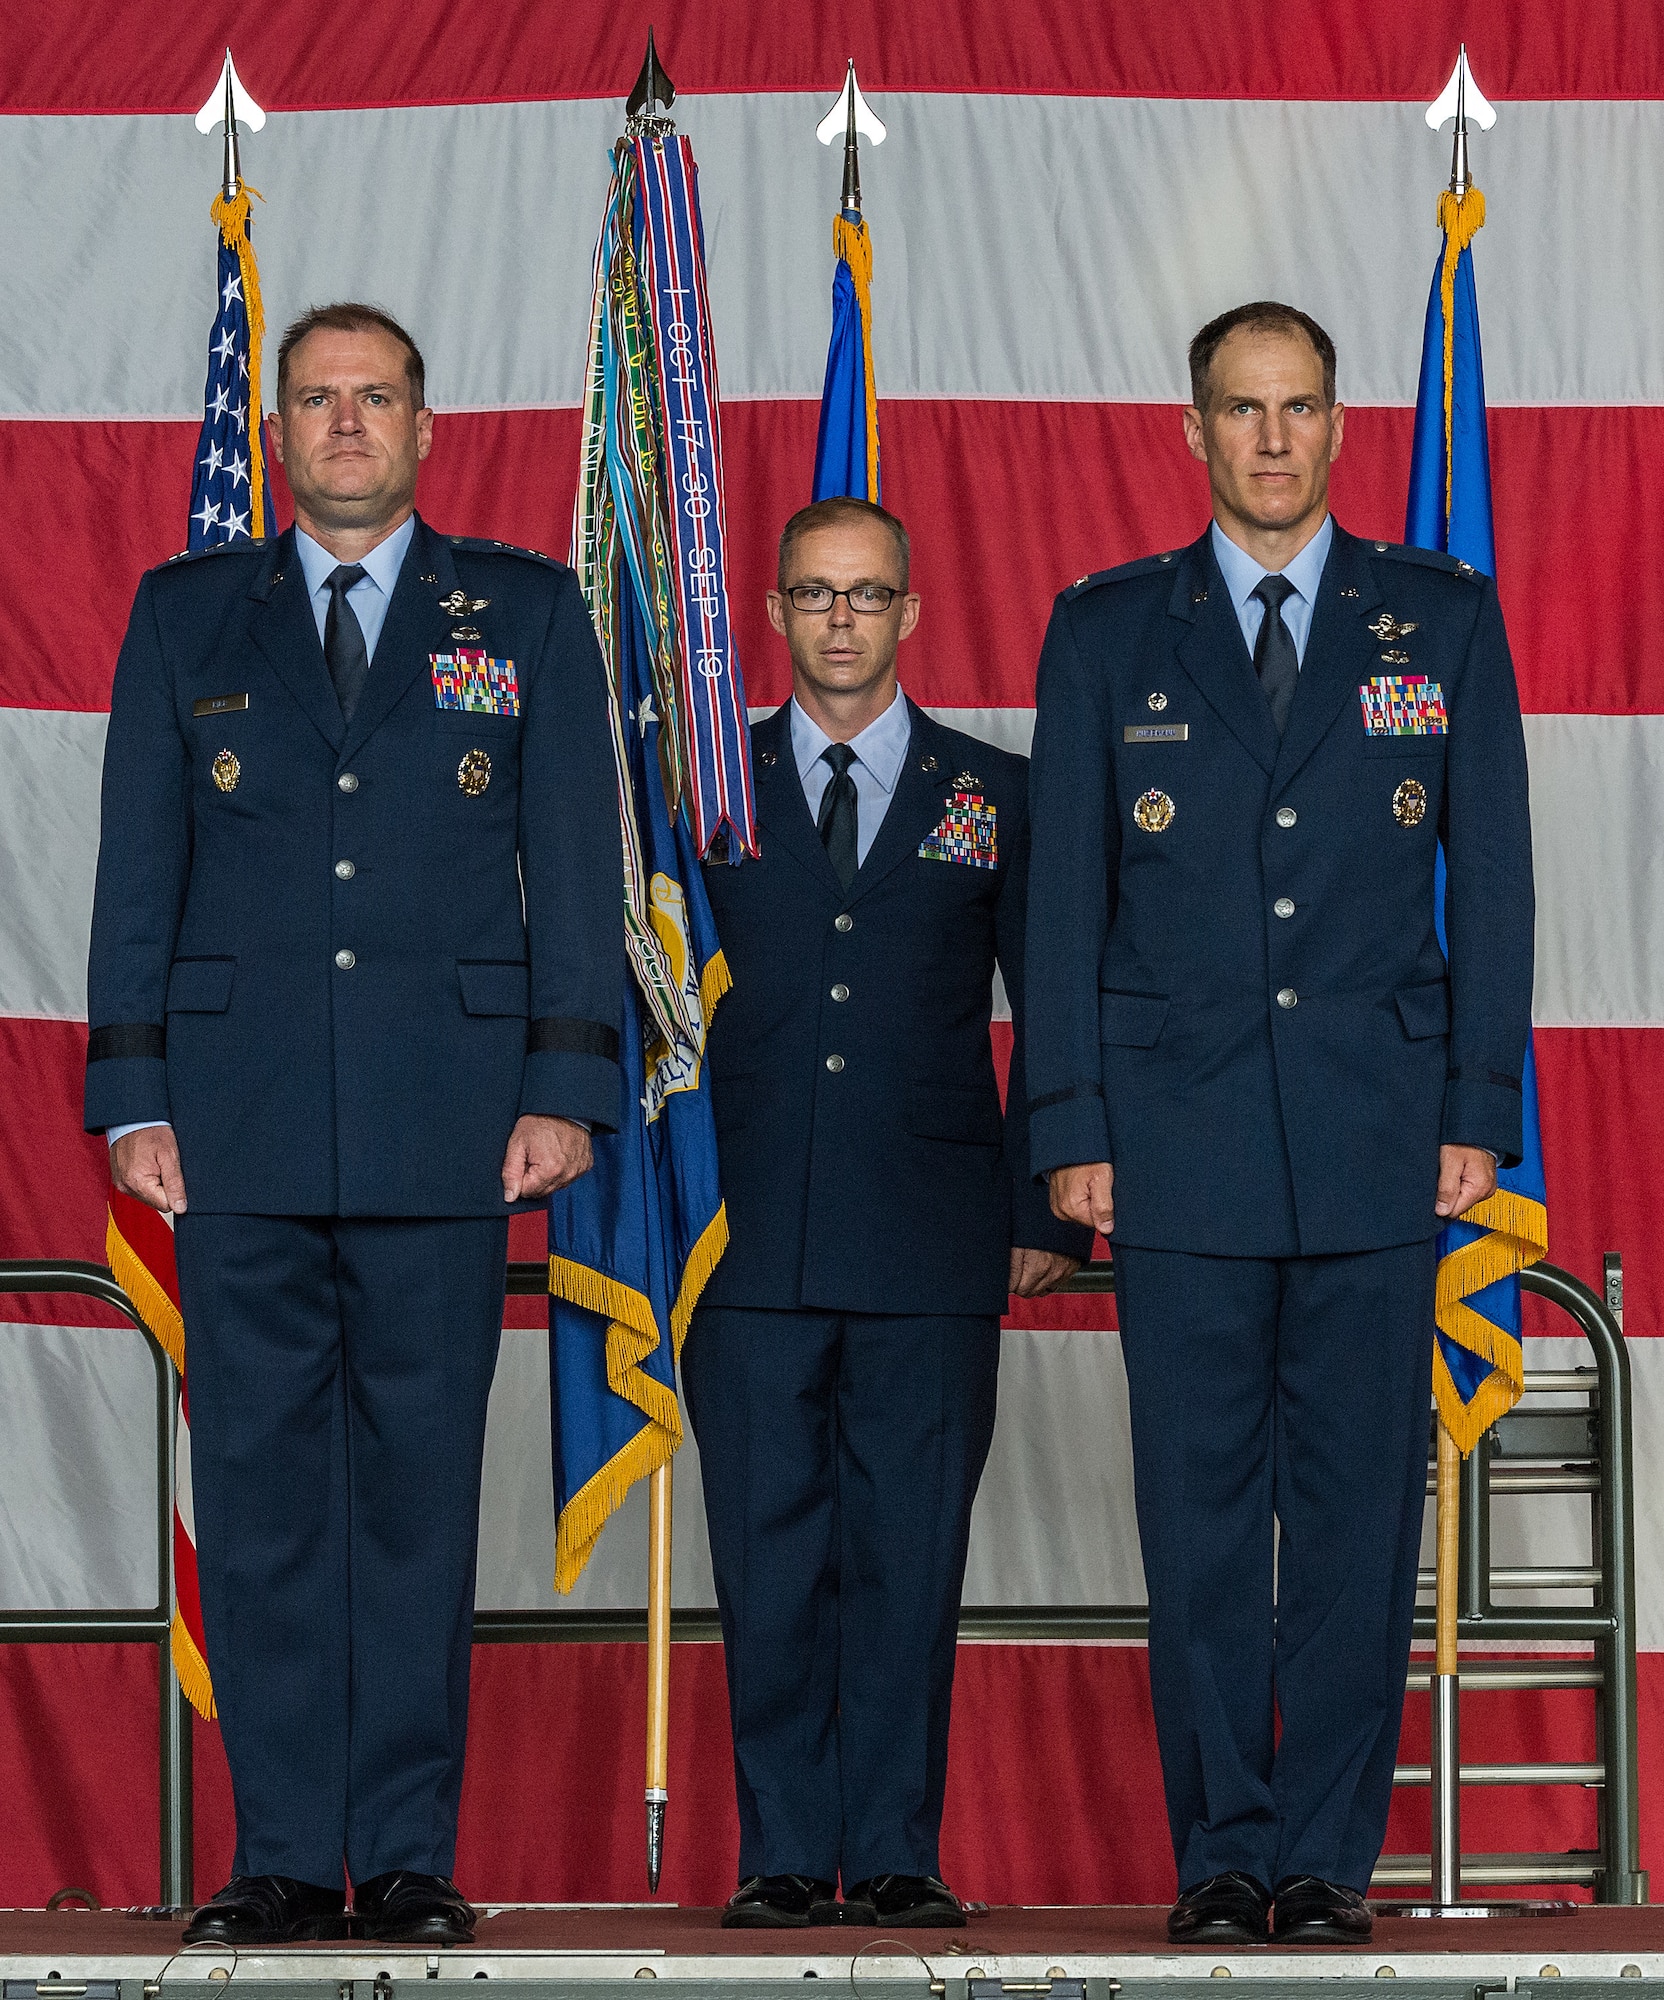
{"type": "Point", "coordinates": [658, 1666]}
{"type": "Point", "coordinates": [1446, 1746]}
{"type": "Point", "coordinates": [644, 111]}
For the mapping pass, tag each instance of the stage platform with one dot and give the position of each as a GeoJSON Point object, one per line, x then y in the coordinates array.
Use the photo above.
{"type": "Point", "coordinates": [1072, 1954]}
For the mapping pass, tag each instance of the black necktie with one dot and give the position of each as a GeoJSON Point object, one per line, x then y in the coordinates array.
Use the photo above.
{"type": "Point", "coordinates": [344, 650]}
{"type": "Point", "coordinates": [838, 812]}
{"type": "Point", "coordinates": [1275, 660]}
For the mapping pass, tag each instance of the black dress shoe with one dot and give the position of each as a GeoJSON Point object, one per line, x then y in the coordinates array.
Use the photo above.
{"type": "Point", "coordinates": [268, 1909]}
{"type": "Point", "coordinates": [904, 1902]}
{"type": "Point", "coordinates": [403, 1907]}
{"type": "Point", "coordinates": [780, 1903]}
{"type": "Point", "coordinates": [1312, 1911]}
{"type": "Point", "coordinates": [1225, 1909]}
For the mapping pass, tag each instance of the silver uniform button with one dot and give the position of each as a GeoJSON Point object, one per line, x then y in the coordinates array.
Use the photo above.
{"type": "Point", "coordinates": [845, 922]}
{"type": "Point", "coordinates": [345, 870]}
{"type": "Point", "coordinates": [347, 782]}
{"type": "Point", "coordinates": [1286, 815]}
{"type": "Point", "coordinates": [1288, 997]}
{"type": "Point", "coordinates": [346, 960]}
{"type": "Point", "coordinates": [834, 1064]}
{"type": "Point", "coordinates": [840, 991]}
{"type": "Point", "coordinates": [1284, 906]}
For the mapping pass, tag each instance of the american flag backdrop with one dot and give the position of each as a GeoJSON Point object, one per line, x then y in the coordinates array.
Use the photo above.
{"type": "Point", "coordinates": [1065, 194]}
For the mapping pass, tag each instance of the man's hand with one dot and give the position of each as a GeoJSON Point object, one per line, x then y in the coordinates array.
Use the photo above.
{"type": "Point", "coordinates": [1034, 1273]}
{"type": "Point", "coordinates": [1466, 1174]}
{"type": "Point", "coordinates": [544, 1154]}
{"type": "Point", "coordinates": [1085, 1195]}
{"type": "Point", "coordinates": [145, 1164]}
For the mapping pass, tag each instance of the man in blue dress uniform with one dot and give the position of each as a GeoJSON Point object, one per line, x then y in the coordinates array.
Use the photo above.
{"type": "Point", "coordinates": [840, 1371]}
{"type": "Point", "coordinates": [354, 995]}
{"type": "Point", "coordinates": [1251, 1061]}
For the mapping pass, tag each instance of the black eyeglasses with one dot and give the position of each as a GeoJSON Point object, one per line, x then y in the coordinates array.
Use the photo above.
{"type": "Point", "coordinates": [865, 598]}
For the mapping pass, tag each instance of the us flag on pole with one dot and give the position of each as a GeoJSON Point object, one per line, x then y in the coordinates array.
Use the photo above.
{"type": "Point", "coordinates": [228, 484]}
{"type": "Point", "coordinates": [228, 502]}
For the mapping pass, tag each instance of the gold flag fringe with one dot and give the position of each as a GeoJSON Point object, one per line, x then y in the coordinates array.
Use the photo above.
{"type": "Point", "coordinates": [192, 1669]}
{"type": "Point", "coordinates": [232, 217]}
{"type": "Point", "coordinates": [633, 1334]}
{"type": "Point", "coordinates": [162, 1317]}
{"type": "Point", "coordinates": [851, 242]}
{"type": "Point", "coordinates": [1517, 1238]}
{"type": "Point", "coordinates": [1461, 217]}
{"type": "Point", "coordinates": [155, 1308]}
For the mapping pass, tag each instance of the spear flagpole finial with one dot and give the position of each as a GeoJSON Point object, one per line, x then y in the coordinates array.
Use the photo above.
{"type": "Point", "coordinates": [230, 104]}
{"type": "Point", "coordinates": [851, 115]}
{"type": "Point", "coordinates": [1461, 99]}
{"type": "Point", "coordinates": [647, 107]}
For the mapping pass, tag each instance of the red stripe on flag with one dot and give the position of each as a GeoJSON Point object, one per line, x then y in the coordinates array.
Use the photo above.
{"type": "Point", "coordinates": [1601, 1097]}
{"type": "Point", "coordinates": [64, 58]}
{"type": "Point", "coordinates": [1007, 503]}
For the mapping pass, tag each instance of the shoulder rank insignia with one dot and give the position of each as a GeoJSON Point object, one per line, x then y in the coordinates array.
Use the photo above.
{"type": "Point", "coordinates": [468, 683]}
{"type": "Point", "coordinates": [965, 833]}
{"type": "Point", "coordinates": [1403, 705]}
{"type": "Point", "coordinates": [460, 605]}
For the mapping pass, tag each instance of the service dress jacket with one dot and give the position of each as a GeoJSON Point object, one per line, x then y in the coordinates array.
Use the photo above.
{"type": "Point", "coordinates": [1237, 995]}
{"type": "Point", "coordinates": [342, 959]}
{"type": "Point", "coordinates": [866, 1163]}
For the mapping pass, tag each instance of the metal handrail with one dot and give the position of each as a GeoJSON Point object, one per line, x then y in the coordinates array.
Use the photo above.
{"type": "Point", "coordinates": [1609, 1624]}
{"type": "Point", "coordinates": [154, 1624]}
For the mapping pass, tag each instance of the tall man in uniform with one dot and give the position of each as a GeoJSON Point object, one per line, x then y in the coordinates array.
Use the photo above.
{"type": "Point", "coordinates": [840, 1371]}
{"type": "Point", "coordinates": [1250, 1060]}
{"type": "Point", "coordinates": [330, 1037]}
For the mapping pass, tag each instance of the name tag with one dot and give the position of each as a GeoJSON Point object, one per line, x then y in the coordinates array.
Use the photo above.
{"type": "Point", "coordinates": [1156, 732]}
{"type": "Point", "coordinates": [219, 704]}
{"type": "Point", "coordinates": [469, 683]}
{"type": "Point", "coordinates": [1403, 705]}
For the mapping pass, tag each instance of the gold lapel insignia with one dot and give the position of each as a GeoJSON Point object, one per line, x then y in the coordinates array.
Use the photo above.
{"type": "Point", "coordinates": [473, 774]}
{"type": "Point", "coordinates": [1409, 803]}
{"type": "Point", "coordinates": [1154, 812]}
{"type": "Point", "coordinates": [227, 771]}
{"type": "Point", "coordinates": [1388, 629]}
{"type": "Point", "coordinates": [927, 765]}
{"type": "Point", "coordinates": [460, 605]}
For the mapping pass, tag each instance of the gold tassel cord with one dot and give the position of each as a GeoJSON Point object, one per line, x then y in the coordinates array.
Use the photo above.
{"type": "Point", "coordinates": [1461, 217]}
{"type": "Point", "coordinates": [232, 217]}
{"type": "Point", "coordinates": [851, 242]}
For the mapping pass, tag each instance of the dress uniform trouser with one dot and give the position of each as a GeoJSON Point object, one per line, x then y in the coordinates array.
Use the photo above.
{"type": "Point", "coordinates": [840, 1454]}
{"type": "Point", "coordinates": [339, 1372]}
{"type": "Point", "coordinates": [1299, 1389]}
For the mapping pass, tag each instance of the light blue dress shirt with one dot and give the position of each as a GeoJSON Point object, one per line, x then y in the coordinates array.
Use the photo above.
{"type": "Point", "coordinates": [880, 751]}
{"type": "Point", "coordinates": [371, 594]}
{"type": "Point", "coordinates": [1243, 577]}
{"type": "Point", "coordinates": [369, 598]}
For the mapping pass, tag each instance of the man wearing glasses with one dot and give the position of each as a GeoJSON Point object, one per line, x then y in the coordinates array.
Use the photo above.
{"type": "Point", "coordinates": [840, 1371]}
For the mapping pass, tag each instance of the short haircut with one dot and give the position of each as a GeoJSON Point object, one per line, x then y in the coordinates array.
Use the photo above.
{"type": "Point", "coordinates": [836, 512]}
{"type": "Point", "coordinates": [1262, 316]}
{"type": "Point", "coordinates": [348, 316]}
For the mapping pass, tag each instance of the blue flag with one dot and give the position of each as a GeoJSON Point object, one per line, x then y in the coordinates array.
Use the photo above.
{"type": "Point", "coordinates": [632, 1243]}
{"type": "Point", "coordinates": [846, 448]}
{"type": "Point", "coordinates": [1478, 1361]}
